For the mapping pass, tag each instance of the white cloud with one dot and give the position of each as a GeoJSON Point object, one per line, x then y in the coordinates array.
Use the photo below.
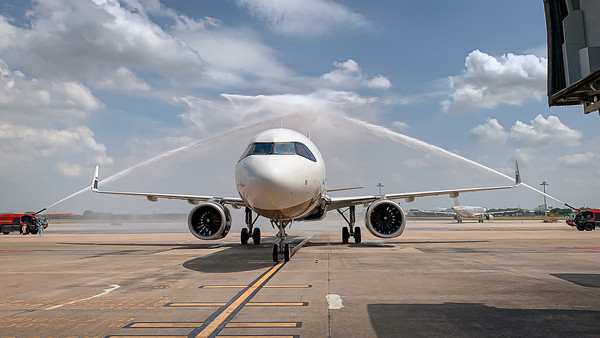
{"type": "Point", "coordinates": [68, 169]}
{"type": "Point", "coordinates": [398, 125]}
{"type": "Point", "coordinates": [8, 33]}
{"type": "Point", "coordinates": [24, 144]}
{"type": "Point", "coordinates": [235, 58]}
{"type": "Point", "coordinates": [491, 81]}
{"type": "Point", "coordinates": [525, 155]}
{"type": "Point", "coordinates": [27, 98]}
{"type": "Point", "coordinates": [543, 131]}
{"type": "Point", "coordinates": [580, 159]}
{"type": "Point", "coordinates": [491, 131]}
{"type": "Point", "coordinates": [348, 75]}
{"type": "Point", "coordinates": [88, 40]}
{"type": "Point", "coordinates": [121, 79]}
{"type": "Point", "coordinates": [379, 82]}
{"type": "Point", "coordinates": [304, 18]}
{"type": "Point", "coordinates": [540, 132]}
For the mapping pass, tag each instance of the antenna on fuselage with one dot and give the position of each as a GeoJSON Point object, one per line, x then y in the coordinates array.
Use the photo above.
{"type": "Point", "coordinates": [308, 134]}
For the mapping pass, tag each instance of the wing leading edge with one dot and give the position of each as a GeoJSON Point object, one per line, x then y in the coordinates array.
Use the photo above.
{"type": "Point", "coordinates": [153, 197]}
{"type": "Point", "coordinates": [343, 202]}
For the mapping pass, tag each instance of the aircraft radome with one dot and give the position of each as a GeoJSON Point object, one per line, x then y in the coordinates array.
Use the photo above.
{"type": "Point", "coordinates": [281, 176]}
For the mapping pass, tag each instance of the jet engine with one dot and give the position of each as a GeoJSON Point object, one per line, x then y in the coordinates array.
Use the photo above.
{"type": "Point", "coordinates": [209, 220]}
{"type": "Point", "coordinates": [385, 219]}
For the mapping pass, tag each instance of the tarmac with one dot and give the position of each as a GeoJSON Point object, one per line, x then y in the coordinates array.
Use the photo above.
{"type": "Point", "coordinates": [439, 279]}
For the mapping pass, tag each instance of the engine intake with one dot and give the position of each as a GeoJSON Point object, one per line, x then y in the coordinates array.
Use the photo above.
{"type": "Point", "coordinates": [209, 220]}
{"type": "Point", "coordinates": [385, 219]}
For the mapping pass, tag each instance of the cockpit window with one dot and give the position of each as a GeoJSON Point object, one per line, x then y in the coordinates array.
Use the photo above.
{"type": "Point", "coordinates": [279, 148]}
{"type": "Point", "coordinates": [303, 151]}
{"type": "Point", "coordinates": [284, 149]}
{"type": "Point", "coordinates": [262, 149]}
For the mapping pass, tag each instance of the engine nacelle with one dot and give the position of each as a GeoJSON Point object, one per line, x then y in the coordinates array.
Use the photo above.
{"type": "Point", "coordinates": [489, 217]}
{"type": "Point", "coordinates": [209, 220]}
{"type": "Point", "coordinates": [385, 219]}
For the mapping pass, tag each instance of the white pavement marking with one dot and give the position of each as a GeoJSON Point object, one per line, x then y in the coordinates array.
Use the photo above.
{"type": "Point", "coordinates": [334, 301]}
{"type": "Point", "coordinates": [105, 292]}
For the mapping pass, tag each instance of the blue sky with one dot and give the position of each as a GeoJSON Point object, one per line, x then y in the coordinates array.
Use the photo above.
{"type": "Point", "coordinates": [116, 83]}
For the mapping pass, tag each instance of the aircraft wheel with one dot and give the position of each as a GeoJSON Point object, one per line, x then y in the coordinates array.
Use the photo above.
{"type": "Point", "coordinates": [275, 253]}
{"type": "Point", "coordinates": [286, 252]}
{"type": "Point", "coordinates": [256, 236]}
{"type": "Point", "coordinates": [345, 235]}
{"type": "Point", "coordinates": [245, 236]}
{"type": "Point", "coordinates": [357, 237]}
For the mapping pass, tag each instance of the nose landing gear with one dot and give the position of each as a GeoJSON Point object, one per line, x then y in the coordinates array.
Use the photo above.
{"type": "Point", "coordinates": [281, 248]}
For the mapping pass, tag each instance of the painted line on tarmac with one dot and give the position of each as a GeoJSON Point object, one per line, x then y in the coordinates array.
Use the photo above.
{"type": "Point", "coordinates": [304, 286]}
{"type": "Point", "coordinates": [299, 246]}
{"type": "Point", "coordinates": [220, 319]}
{"type": "Point", "coordinates": [246, 336]}
{"type": "Point", "coordinates": [112, 288]}
{"type": "Point", "coordinates": [255, 325]}
{"type": "Point", "coordinates": [208, 304]}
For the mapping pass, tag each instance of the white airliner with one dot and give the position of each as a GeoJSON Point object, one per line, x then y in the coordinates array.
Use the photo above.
{"type": "Point", "coordinates": [281, 176]}
{"type": "Point", "coordinates": [481, 213]}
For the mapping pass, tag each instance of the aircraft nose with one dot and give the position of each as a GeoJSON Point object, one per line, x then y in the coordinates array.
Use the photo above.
{"type": "Point", "coordinates": [268, 176]}
{"type": "Point", "coordinates": [270, 185]}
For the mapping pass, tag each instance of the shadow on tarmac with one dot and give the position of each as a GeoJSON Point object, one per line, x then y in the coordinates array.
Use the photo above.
{"type": "Point", "coordinates": [235, 258]}
{"type": "Point", "coordinates": [478, 320]}
{"type": "Point", "coordinates": [590, 280]}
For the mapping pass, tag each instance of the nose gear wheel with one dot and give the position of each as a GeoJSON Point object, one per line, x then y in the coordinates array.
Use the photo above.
{"type": "Point", "coordinates": [281, 248]}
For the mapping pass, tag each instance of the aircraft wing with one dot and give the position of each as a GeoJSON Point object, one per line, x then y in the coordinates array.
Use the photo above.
{"type": "Point", "coordinates": [153, 197]}
{"type": "Point", "coordinates": [343, 202]}
{"type": "Point", "coordinates": [501, 212]}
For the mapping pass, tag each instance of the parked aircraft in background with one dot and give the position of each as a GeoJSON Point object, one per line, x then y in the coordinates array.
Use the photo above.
{"type": "Point", "coordinates": [481, 213]}
{"type": "Point", "coordinates": [281, 176]}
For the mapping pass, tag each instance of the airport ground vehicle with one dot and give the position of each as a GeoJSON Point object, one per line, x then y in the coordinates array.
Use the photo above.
{"type": "Point", "coordinates": [586, 220]}
{"type": "Point", "coordinates": [23, 223]}
{"type": "Point", "coordinates": [571, 219]}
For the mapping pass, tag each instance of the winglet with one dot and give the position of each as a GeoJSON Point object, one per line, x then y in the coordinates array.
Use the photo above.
{"type": "Point", "coordinates": [95, 181]}
{"type": "Point", "coordinates": [517, 174]}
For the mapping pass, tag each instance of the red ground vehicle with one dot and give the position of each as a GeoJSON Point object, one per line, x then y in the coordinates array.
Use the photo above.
{"type": "Point", "coordinates": [23, 223]}
{"type": "Point", "coordinates": [585, 220]}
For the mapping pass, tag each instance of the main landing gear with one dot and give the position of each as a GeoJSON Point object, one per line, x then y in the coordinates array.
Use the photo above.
{"type": "Point", "coordinates": [250, 231]}
{"type": "Point", "coordinates": [281, 248]}
{"type": "Point", "coordinates": [350, 230]}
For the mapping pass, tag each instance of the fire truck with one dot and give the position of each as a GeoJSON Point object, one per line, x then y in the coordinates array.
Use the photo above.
{"type": "Point", "coordinates": [23, 223]}
{"type": "Point", "coordinates": [585, 219]}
